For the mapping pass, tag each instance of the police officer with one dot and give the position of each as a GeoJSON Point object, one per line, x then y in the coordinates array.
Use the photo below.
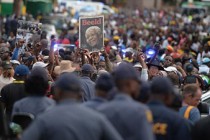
{"type": "Point", "coordinates": [130, 118]}
{"type": "Point", "coordinates": [70, 120]}
{"type": "Point", "coordinates": [36, 86]}
{"type": "Point", "coordinates": [14, 91]}
{"type": "Point", "coordinates": [168, 125]}
{"type": "Point", "coordinates": [87, 85]}
{"type": "Point", "coordinates": [201, 129]}
{"type": "Point", "coordinates": [104, 84]}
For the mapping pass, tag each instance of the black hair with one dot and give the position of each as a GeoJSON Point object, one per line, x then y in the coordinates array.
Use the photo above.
{"type": "Point", "coordinates": [86, 73]}
{"type": "Point", "coordinates": [45, 52]}
{"type": "Point", "coordinates": [36, 86]}
{"type": "Point", "coordinates": [145, 93]}
{"type": "Point", "coordinates": [104, 82]}
{"type": "Point", "coordinates": [177, 102]}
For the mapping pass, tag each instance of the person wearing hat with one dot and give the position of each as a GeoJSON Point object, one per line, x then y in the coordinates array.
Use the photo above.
{"type": "Point", "coordinates": [168, 124]}
{"type": "Point", "coordinates": [104, 84]}
{"type": "Point", "coordinates": [171, 69]}
{"type": "Point", "coordinates": [145, 92]}
{"type": "Point", "coordinates": [204, 68]}
{"type": "Point", "coordinates": [14, 91]}
{"type": "Point", "coordinates": [129, 55]}
{"type": "Point", "coordinates": [87, 85]}
{"type": "Point", "coordinates": [36, 86]}
{"type": "Point", "coordinates": [40, 64]}
{"type": "Point", "coordinates": [7, 74]}
{"type": "Point", "coordinates": [107, 46]}
{"type": "Point", "coordinates": [66, 66]}
{"type": "Point", "coordinates": [14, 63]}
{"type": "Point", "coordinates": [131, 119]}
{"type": "Point", "coordinates": [154, 68]}
{"type": "Point", "coordinates": [138, 67]}
{"type": "Point", "coordinates": [69, 119]}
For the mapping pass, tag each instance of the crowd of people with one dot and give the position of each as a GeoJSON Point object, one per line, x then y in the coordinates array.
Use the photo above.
{"type": "Point", "coordinates": [146, 83]}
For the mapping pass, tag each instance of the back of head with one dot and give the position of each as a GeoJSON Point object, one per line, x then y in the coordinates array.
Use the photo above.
{"type": "Point", "coordinates": [192, 94]}
{"type": "Point", "coordinates": [174, 78]}
{"type": "Point", "coordinates": [37, 82]}
{"type": "Point", "coordinates": [162, 90]}
{"type": "Point", "coordinates": [190, 89]}
{"type": "Point", "coordinates": [44, 43]}
{"type": "Point", "coordinates": [68, 85]}
{"type": "Point", "coordinates": [145, 92]}
{"type": "Point", "coordinates": [104, 82]}
{"type": "Point", "coordinates": [161, 86]}
{"type": "Point", "coordinates": [21, 70]}
{"type": "Point", "coordinates": [125, 71]}
{"type": "Point", "coordinates": [87, 69]}
{"type": "Point", "coordinates": [127, 80]}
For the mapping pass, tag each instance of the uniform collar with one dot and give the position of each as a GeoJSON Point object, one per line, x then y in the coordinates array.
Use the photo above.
{"type": "Point", "coordinates": [122, 96]}
{"type": "Point", "coordinates": [85, 77]}
{"type": "Point", "coordinates": [99, 99]}
{"type": "Point", "coordinates": [155, 102]}
{"type": "Point", "coordinates": [67, 101]}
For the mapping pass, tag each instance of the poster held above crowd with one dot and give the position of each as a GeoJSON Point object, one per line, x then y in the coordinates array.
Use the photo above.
{"type": "Point", "coordinates": [91, 33]}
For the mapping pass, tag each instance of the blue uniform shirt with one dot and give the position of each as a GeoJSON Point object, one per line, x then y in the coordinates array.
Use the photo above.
{"type": "Point", "coordinates": [70, 120]}
{"type": "Point", "coordinates": [95, 102]}
{"type": "Point", "coordinates": [168, 124]}
{"type": "Point", "coordinates": [128, 117]}
{"type": "Point", "coordinates": [33, 104]}
{"type": "Point", "coordinates": [88, 88]}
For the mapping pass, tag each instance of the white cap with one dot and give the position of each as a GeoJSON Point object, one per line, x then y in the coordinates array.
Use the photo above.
{"type": "Point", "coordinates": [102, 72]}
{"type": "Point", "coordinates": [119, 63]}
{"type": "Point", "coordinates": [40, 64]}
{"type": "Point", "coordinates": [204, 69]}
{"type": "Point", "coordinates": [171, 69]}
{"type": "Point", "coordinates": [137, 65]}
{"type": "Point", "coordinates": [45, 57]}
{"type": "Point", "coordinates": [15, 62]}
{"type": "Point", "coordinates": [114, 47]}
{"type": "Point", "coordinates": [129, 50]}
